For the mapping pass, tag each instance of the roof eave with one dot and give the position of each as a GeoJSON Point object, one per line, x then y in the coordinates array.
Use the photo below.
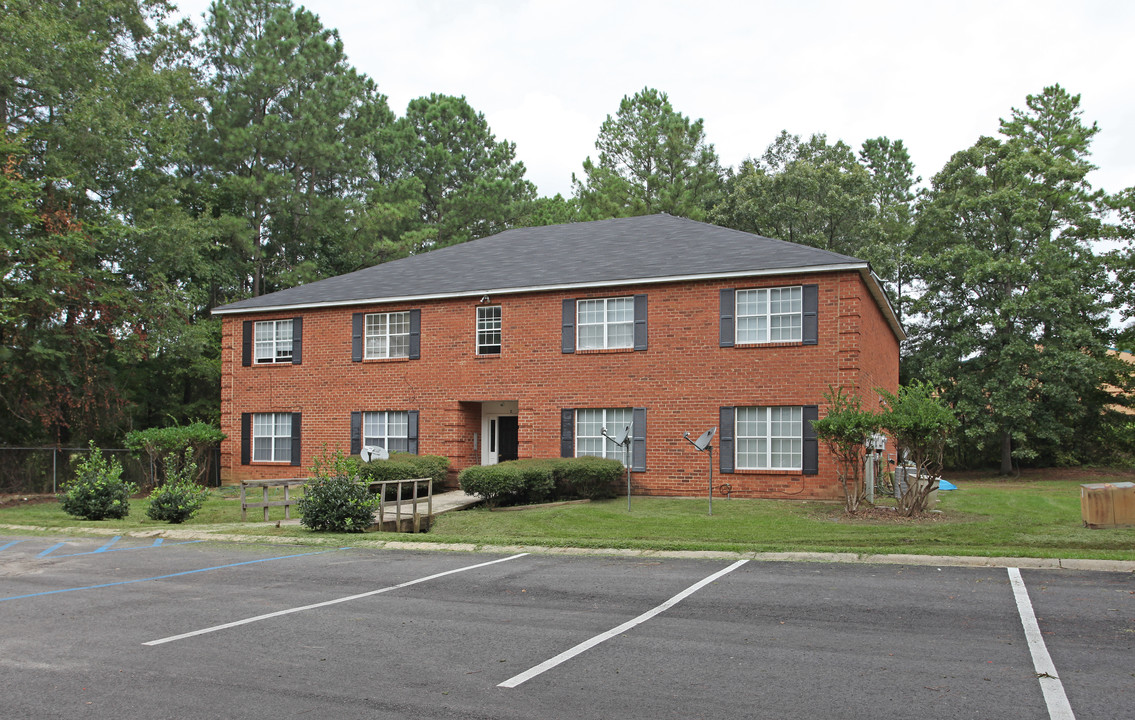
{"type": "Point", "coordinates": [863, 268]}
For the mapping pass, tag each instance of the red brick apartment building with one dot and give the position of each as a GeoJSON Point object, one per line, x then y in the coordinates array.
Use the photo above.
{"type": "Point", "coordinates": [527, 343]}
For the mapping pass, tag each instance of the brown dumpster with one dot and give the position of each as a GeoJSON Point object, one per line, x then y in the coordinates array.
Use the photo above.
{"type": "Point", "coordinates": [1108, 505]}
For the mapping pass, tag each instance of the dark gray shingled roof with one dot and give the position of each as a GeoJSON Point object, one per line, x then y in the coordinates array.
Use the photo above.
{"type": "Point", "coordinates": [577, 254]}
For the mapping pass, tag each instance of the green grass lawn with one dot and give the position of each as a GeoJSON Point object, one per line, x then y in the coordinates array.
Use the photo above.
{"type": "Point", "coordinates": [1030, 518]}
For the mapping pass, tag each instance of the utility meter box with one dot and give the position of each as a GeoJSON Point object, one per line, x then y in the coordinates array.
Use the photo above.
{"type": "Point", "coordinates": [1108, 505]}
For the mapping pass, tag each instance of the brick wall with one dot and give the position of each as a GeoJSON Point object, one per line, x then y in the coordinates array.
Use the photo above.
{"type": "Point", "coordinates": [682, 379]}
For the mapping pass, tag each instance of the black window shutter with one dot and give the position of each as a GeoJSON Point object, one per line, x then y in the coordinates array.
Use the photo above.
{"type": "Point", "coordinates": [810, 326]}
{"type": "Point", "coordinates": [296, 448]}
{"type": "Point", "coordinates": [412, 431]}
{"type": "Point", "coordinates": [415, 334]}
{"type": "Point", "coordinates": [357, 337]}
{"type": "Point", "coordinates": [638, 440]}
{"type": "Point", "coordinates": [568, 341]}
{"type": "Point", "coordinates": [246, 345]}
{"type": "Point", "coordinates": [640, 322]}
{"type": "Point", "coordinates": [297, 340]}
{"type": "Point", "coordinates": [810, 445]}
{"type": "Point", "coordinates": [245, 438]}
{"type": "Point", "coordinates": [567, 432]}
{"type": "Point", "coordinates": [728, 322]}
{"type": "Point", "coordinates": [356, 433]}
{"type": "Point", "coordinates": [725, 444]}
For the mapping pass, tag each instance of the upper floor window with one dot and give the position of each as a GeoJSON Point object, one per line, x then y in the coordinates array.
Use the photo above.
{"type": "Point", "coordinates": [758, 316]}
{"type": "Point", "coordinates": [768, 315]}
{"type": "Point", "coordinates": [605, 323]}
{"type": "Point", "coordinates": [489, 330]}
{"type": "Point", "coordinates": [274, 341]}
{"type": "Point", "coordinates": [769, 438]}
{"type": "Point", "coordinates": [387, 335]}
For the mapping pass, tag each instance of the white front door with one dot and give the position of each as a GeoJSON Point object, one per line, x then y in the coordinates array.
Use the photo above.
{"type": "Point", "coordinates": [498, 432]}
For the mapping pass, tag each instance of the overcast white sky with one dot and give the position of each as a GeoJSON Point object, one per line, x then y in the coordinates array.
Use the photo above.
{"type": "Point", "coordinates": [936, 75]}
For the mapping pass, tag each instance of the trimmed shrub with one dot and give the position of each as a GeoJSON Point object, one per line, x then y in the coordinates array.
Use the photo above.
{"type": "Point", "coordinates": [519, 482]}
{"type": "Point", "coordinates": [98, 491]}
{"type": "Point", "coordinates": [335, 500]}
{"type": "Point", "coordinates": [588, 477]}
{"type": "Point", "coordinates": [337, 504]}
{"type": "Point", "coordinates": [406, 466]}
{"type": "Point", "coordinates": [179, 497]}
{"type": "Point", "coordinates": [501, 484]}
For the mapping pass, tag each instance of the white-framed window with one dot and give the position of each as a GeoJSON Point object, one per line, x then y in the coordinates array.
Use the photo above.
{"type": "Point", "coordinates": [489, 330]}
{"type": "Point", "coordinates": [271, 437]}
{"type": "Point", "coordinates": [273, 341]}
{"type": "Point", "coordinates": [605, 323]}
{"type": "Point", "coordinates": [769, 438]}
{"type": "Point", "coordinates": [387, 335]}
{"type": "Point", "coordinates": [589, 439]}
{"type": "Point", "coordinates": [769, 315]}
{"type": "Point", "coordinates": [387, 429]}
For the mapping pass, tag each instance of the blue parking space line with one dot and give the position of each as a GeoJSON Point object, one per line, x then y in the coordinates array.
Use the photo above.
{"type": "Point", "coordinates": [5, 547]}
{"type": "Point", "coordinates": [163, 577]}
{"type": "Point", "coordinates": [106, 547]}
{"type": "Point", "coordinates": [51, 549]}
{"type": "Point", "coordinates": [136, 547]}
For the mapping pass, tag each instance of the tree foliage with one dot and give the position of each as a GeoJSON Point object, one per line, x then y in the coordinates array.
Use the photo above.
{"type": "Point", "coordinates": [95, 99]}
{"type": "Point", "coordinates": [921, 425]}
{"type": "Point", "coordinates": [466, 183]}
{"type": "Point", "coordinates": [651, 159]}
{"type": "Point", "coordinates": [845, 429]}
{"type": "Point", "coordinates": [1014, 314]}
{"type": "Point", "coordinates": [284, 154]}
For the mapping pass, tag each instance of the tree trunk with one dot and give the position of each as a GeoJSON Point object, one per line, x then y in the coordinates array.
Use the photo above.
{"type": "Point", "coordinates": [1006, 453]}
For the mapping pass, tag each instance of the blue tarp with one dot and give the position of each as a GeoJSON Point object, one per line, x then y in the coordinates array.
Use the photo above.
{"type": "Point", "coordinates": [946, 485]}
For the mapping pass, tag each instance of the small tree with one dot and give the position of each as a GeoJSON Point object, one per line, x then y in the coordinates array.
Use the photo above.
{"type": "Point", "coordinates": [98, 491]}
{"type": "Point", "coordinates": [166, 447]}
{"type": "Point", "coordinates": [335, 500]}
{"type": "Point", "coordinates": [179, 497]}
{"type": "Point", "coordinates": [921, 424]}
{"type": "Point", "coordinates": [845, 430]}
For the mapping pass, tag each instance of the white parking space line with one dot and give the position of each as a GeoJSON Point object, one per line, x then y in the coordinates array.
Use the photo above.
{"type": "Point", "coordinates": [1050, 685]}
{"type": "Point", "coordinates": [588, 644]}
{"type": "Point", "coordinates": [336, 601]}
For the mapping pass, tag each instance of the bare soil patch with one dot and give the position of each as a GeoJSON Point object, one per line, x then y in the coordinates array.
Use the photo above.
{"type": "Point", "coordinates": [13, 499]}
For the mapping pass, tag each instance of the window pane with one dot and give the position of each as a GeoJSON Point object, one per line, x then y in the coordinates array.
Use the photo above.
{"type": "Point", "coordinates": [620, 336]}
{"type": "Point", "coordinates": [590, 337]}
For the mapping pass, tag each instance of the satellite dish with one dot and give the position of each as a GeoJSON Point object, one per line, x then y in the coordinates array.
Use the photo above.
{"type": "Point", "coordinates": [371, 452]}
{"type": "Point", "coordinates": [706, 437]}
{"type": "Point", "coordinates": [621, 438]}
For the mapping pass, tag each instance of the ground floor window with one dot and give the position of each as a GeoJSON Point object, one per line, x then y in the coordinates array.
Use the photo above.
{"type": "Point", "coordinates": [769, 438]}
{"type": "Point", "coordinates": [387, 429]}
{"type": "Point", "coordinates": [272, 437]}
{"type": "Point", "coordinates": [589, 439]}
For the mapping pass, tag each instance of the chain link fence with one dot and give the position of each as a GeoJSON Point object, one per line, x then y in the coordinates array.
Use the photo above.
{"type": "Point", "coordinates": [42, 470]}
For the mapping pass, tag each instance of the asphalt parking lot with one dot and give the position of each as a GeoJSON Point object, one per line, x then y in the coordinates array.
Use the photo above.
{"type": "Point", "coordinates": [133, 628]}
